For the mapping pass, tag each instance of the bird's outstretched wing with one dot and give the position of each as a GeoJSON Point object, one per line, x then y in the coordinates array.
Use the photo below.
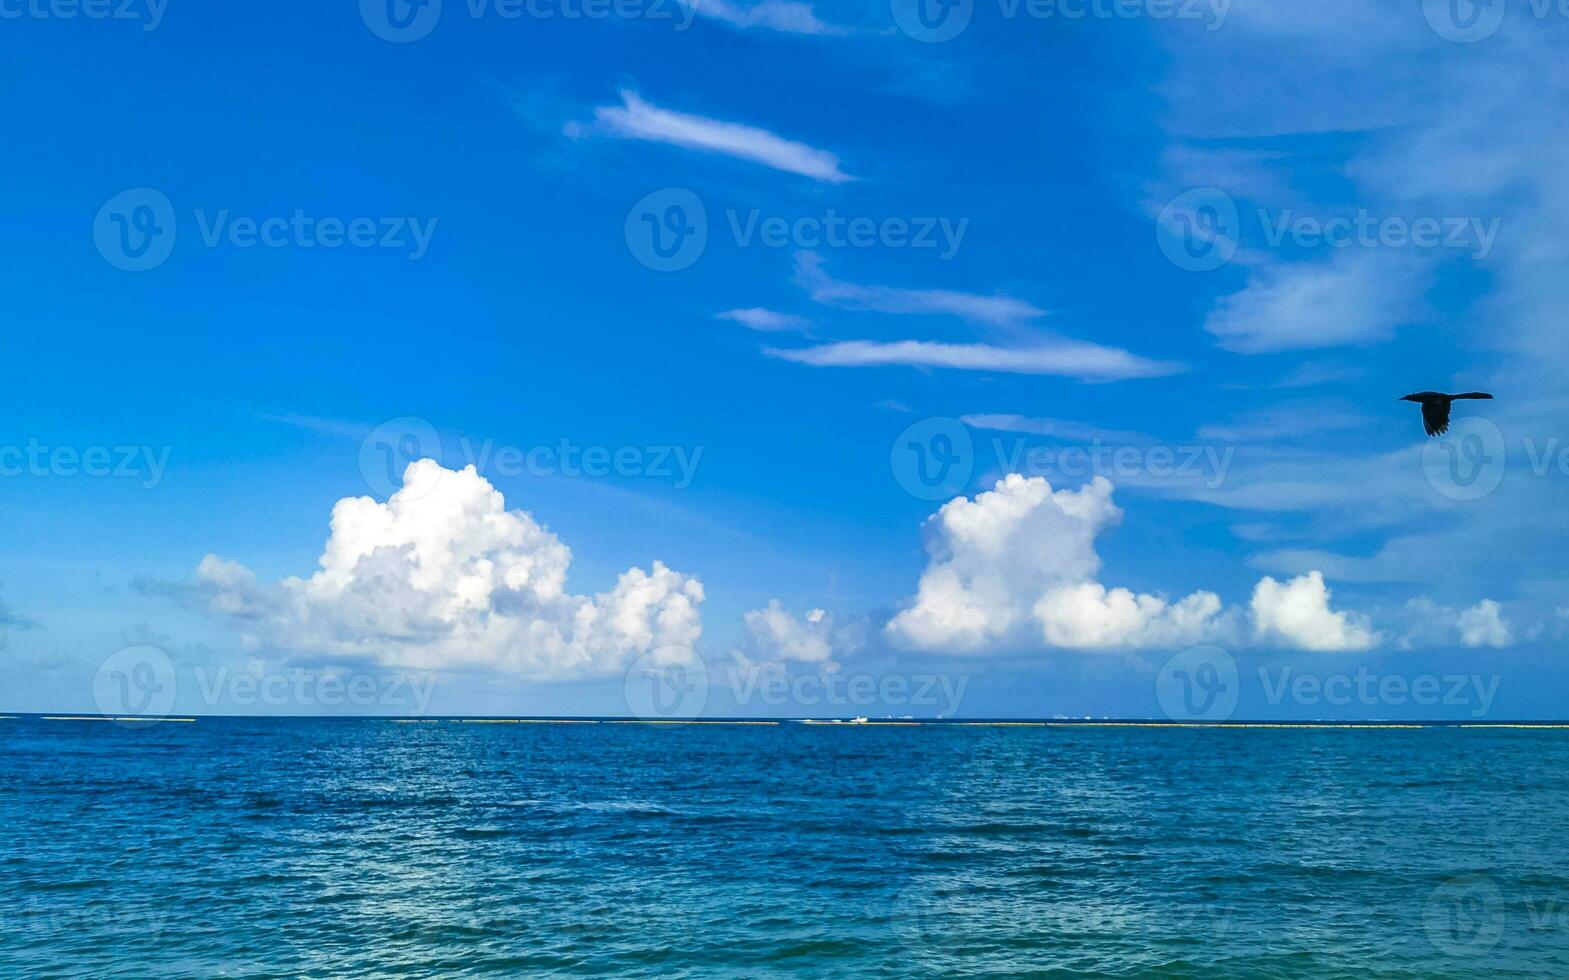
{"type": "Point", "coordinates": [1473, 394]}
{"type": "Point", "coordinates": [1435, 416]}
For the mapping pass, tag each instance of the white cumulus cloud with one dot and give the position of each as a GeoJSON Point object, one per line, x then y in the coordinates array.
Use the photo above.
{"type": "Point", "coordinates": [775, 634]}
{"type": "Point", "coordinates": [1481, 625]}
{"type": "Point", "coordinates": [1088, 616]}
{"type": "Point", "coordinates": [1016, 566]}
{"type": "Point", "coordinates": [1296, 613]}
{"type": "Point", "coordinates": [444, 575]}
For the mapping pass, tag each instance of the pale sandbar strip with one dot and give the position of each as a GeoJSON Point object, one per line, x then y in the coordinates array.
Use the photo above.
{"type": "Point", "coordinates": [523, 721]}
{"type": "Point", "coordinates": [674, 721]}
{"type": "Point", "coordinates": [135, 718]}
{"type": "Point", "coordinates": [1219, 724]}
{"type": "Point", "coordinates": [1324, 726]}
{"type": "Point", "coordinates": [995, 724]}
{"type": "Point", "coordinates": [1500, 724]}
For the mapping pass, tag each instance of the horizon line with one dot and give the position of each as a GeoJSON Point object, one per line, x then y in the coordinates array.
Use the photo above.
{"type": "Point", "coordinates": [840, 722]}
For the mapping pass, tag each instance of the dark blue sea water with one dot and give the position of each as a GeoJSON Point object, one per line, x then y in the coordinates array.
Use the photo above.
{"type": "Point", "coordinates": [358, 848]}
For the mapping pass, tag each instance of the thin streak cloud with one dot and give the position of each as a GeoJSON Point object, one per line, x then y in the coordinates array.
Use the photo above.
{"type": "Point", "coordinates": [972, 307]}
{"type": "Point", "coordinates": [640, 120]}
{"type": "Point", "coordinates": [1074, 359]}
{"type": "Point", "coordinates": [784, 16]}
{"type": "Point", "coordinates": [759, 318]}
{"type": "Point", "coordinates": [1051, 428]}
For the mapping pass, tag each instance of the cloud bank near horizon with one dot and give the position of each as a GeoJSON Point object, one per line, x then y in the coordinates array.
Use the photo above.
{"type": "Point", "coordinates": [443, 575]}
{"type": "Point", "coordinates": [1015, 568]}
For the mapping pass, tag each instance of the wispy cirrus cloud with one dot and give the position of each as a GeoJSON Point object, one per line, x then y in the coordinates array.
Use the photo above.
{"type": "Point", "coordinates": [11, 620]}
{"type": "Point", "coordinates": [765, 320]}
{"type": "Point", "coordinates": [1022, 355]}
{"type": "Point", "coordinates": [1051, 428]}
{"type": "Point", "coordinates": [784, 16]}
{"type": "Point", "coordinates": [973, 307]}
{"type": "Point", "coordinates": [1067, 358]}
{"type": "Point", "coordinates": [640, 120]}
{"type": "Point", "coordinates": [1355, 298]}
{"type": "Point", "coordinates": [1314, 374]}
{"type": "Point", "coordinates": [1293, 420]}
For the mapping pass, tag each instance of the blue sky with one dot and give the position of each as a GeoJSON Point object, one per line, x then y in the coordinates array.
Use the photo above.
{"type": "Point", "coordinates": [1220, 239]}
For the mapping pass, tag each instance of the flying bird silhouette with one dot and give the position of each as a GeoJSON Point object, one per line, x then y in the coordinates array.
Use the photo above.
{"type": "Point", "coordinates": [1435, 407]}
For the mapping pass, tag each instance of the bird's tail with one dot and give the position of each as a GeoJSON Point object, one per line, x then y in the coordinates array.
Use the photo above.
{"type": "Point", "coordinates": [1472, 394]}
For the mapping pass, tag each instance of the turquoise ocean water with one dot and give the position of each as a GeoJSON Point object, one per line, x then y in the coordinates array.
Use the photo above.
{"type": "Point", "coordinates": [360, 848]}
